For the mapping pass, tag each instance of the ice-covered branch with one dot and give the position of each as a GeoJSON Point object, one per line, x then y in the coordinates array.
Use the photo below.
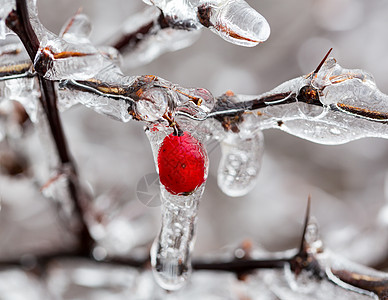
{"type": "Point", "coordinates": [19, 21]}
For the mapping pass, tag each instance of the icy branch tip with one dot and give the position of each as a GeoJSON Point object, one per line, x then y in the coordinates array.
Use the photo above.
{"type": "Point", "coordinates": [235, 22]}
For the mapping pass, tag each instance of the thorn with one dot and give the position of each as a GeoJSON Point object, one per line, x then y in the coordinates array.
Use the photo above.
{"type": "Point", "coordinates": [306, 222]}
{"type": "Point", "coordinates": [322, 62]}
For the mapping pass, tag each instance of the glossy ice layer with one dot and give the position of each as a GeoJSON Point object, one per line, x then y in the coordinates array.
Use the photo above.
{"type": "Point", "coordinates": [233, 20]}
{"type": "Point", "coordinates": [172, 248]}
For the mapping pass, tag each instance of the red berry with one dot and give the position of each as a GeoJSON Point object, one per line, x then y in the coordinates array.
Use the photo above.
{"type": "Point", "coordinates": [182, 162]}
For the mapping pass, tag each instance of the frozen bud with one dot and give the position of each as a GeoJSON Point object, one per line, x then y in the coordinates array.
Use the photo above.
{"type": "Point", "coordinates": [153, 104]}
{"type": "Point", "coordinates": [235, 21]}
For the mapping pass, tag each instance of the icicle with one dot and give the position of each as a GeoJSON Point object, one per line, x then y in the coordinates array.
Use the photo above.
{"type": "Point", "coordinates": [6, 6]}
{"type": "Point", "coordinates": [240, 163]}
{"type": "Point", "coordinates": [58, 59]}
{"type": "Point", "coordinates": [171, 250]}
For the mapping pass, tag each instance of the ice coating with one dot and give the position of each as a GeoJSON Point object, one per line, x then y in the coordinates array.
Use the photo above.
{"type": "Point", "coordinates": [233, 20]}
{"type": "Point", "coordinates": [349, 107]}
{"type": "Point", "coordinates": [95, 72]}
{"type": "Point", "coordinates": [171, 250]}
{"type": "Point", "coordinates": [240, 163]}
{"type": "Point", "coordinates": [116, 228]}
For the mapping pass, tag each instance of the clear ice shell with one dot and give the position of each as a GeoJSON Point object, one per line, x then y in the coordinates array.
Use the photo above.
{"type": "Point", "coordinates": [159, 96]}
{"type": "Point", "coordinates": [236, 22]}
{"type": "Point", "coordinates": [171, 250]}
{"type": "Point", "coordinates": [240, 163]}
{"type": "Point", "coordinates": [6, 7]}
